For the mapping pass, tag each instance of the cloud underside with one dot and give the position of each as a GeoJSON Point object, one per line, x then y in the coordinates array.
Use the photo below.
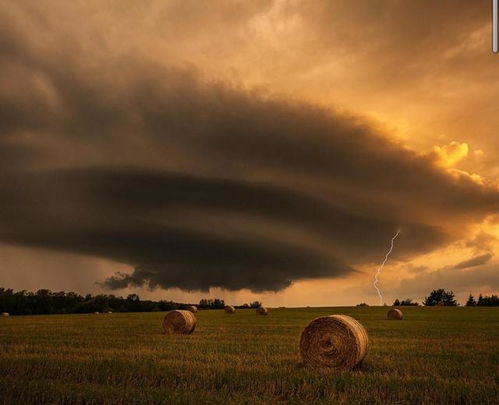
{"type": "Point", "coordinates": [474, 261]}
{"type": "Point", "coordinates": [199, 184]}
{"type": "Point", "coordinates": [460, 280]}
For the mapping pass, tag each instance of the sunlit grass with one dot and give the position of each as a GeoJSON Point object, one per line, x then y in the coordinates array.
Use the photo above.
{"type": "Point", "coordinates": [435, 355]}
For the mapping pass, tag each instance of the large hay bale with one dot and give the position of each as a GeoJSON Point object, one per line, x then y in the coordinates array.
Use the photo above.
{"type": "Point", "coordinates": [191, 308]}
{"type": "Point", "coordinates": [395, 314]}
{"type": "Point", "coordinates": [262, 311]}
{"type": "Point", "coordinates": [335, 341]}
{"type": "Point", "coordinates": [5, 314]}
{"type": "Point", "coordinates": [180, 322]}
{"type": "Point", "coordinates": [230, 309]}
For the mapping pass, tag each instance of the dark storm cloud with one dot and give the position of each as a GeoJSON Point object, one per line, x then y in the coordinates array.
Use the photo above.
{"type": "Point", "coordinates": [139, 217]}
{"type": "Point", "coordinates": [200, 184]}
{"type": "Point", "coordinates": [474, 261]}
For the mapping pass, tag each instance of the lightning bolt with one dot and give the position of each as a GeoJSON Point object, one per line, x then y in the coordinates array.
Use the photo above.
{"type": "Point", "coordinates": [380, 268]}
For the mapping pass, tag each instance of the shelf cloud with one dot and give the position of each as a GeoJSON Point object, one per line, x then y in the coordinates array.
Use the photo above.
{"type": "Point", "coordinates": [200, 183]}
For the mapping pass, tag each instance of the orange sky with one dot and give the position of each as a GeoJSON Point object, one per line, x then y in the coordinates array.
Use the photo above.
{"type": "Point", "coordinates": [420, 74]}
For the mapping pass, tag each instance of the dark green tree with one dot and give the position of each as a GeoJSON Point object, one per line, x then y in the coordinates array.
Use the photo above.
{"type": "Point", "coordinates": [440, 297]}
{"type": "Point", "coordinates": [408, 303]}
{"type": "Point", "coordinates": [488, 301]}
{"type": "Point", "coordinates": [471, 301]}
{"type": "Point", "coordinates": [47, 302]}
{"type": "Point", "coordinates": [211, 303]}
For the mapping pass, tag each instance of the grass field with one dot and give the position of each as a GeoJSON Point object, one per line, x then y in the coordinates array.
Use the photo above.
{"type": "Point", "coordinates": [435, 355]}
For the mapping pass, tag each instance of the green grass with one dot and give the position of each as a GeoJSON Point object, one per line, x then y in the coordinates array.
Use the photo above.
{"type": "Point", "coordinates": [434, 356]}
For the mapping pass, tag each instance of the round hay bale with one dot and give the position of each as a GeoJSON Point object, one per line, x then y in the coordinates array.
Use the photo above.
{"type": "Point", "coordinates": [179, 321]}
{"type": "Point", "coordinates": [96, 312]}
{"type": "Point", "coordinates": [395, 314]}
{"type": "Point", "coordinates": [230, 309]}
{"type": "Point", "coordinates": [262, 311]}
{"type": "Point", "coordinates": [335, 341]}
{"type": "Point", "coordinates": [191, 308]}
{"type": "Point", "coordinates": [5, 314]}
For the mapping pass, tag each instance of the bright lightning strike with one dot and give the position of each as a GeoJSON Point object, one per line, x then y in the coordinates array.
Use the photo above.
{"type": "Point", "coordinates": [380, 268]}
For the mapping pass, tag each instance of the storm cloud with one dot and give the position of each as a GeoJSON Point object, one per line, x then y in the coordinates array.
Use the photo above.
{"type": "Point", "coordinates": [474, 261]}
{"type": "Point", "coordinates": [199, 183]}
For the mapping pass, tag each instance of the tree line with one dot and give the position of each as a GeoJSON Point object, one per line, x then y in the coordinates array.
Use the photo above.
{"type": "Point", "coordinates": [47, 302]}
{"type": "Point", "coordinates": [220, 304]}
{"type": "Point", "coordinates": [441, 297]}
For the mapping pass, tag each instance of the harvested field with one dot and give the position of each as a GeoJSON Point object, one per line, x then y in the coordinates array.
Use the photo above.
{"type": "Point", "coordinates": [244, 358]}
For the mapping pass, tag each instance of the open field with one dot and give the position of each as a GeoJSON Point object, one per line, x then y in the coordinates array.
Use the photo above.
{"type": "Point", "coordinates": [435, 355]}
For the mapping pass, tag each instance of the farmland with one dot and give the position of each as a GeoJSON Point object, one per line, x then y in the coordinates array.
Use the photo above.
{"type": "Point", "coordinates": [435, 355]}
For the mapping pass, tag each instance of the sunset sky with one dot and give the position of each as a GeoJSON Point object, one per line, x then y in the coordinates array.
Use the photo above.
{"type": "Point", "coordinates": [249, 150]}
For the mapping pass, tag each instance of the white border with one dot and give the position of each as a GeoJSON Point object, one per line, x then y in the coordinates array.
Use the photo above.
{"type": "Point", "coordinates": [494, 26]}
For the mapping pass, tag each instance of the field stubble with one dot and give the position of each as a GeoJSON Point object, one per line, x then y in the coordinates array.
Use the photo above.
{"type": "Point", "coordinates": [435, 355]}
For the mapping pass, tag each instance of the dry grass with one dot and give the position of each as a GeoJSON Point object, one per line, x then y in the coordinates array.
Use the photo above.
{"type": "Point", "coordinates": [443, 356]}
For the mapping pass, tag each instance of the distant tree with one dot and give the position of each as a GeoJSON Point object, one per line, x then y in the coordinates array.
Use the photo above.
{"type": "Point", "coordinates": [488, 301]}
{"type": "Point", "coordinates": [471, 301]}
{"type": "Point", "coordinates": [255, 304]}
{"type": "Point", "coordinates": [408, 303]}
{"type": "Point", "coordinates": [440, 297]}
{"type": "Point", "coordinates": [362, 304]}
{"type": "Point", "coordinates": [44, 302]}
{"type": "Point", "coordinates": [47, 302]}
{"type": "Point", "coordinates": [216, 303]}
{"type": "Point", "coordinates": [396, 303]}
{"type": "Point", "coordinates": [167, 305]}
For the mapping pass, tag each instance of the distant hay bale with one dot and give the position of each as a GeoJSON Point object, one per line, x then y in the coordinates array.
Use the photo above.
{"type": "Point", "coordinates": [230, 309]}
{"type": "Point", "coordinates": [262, 311]}
{"type": "Point", "coordinates": [96, 312]}
{"type": "Point", "coordinates": [395, 314]}
{"type": "Point", "coordinates": [335, 341]}
{"type": "Point", "coordinates": [5, 314]}
{"type": "Point", "coordinates": [109, 312]}
{"type": "Point", "coordinates": [180, 322]}
{"type": "Point", "coordinates": [192, 308]}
